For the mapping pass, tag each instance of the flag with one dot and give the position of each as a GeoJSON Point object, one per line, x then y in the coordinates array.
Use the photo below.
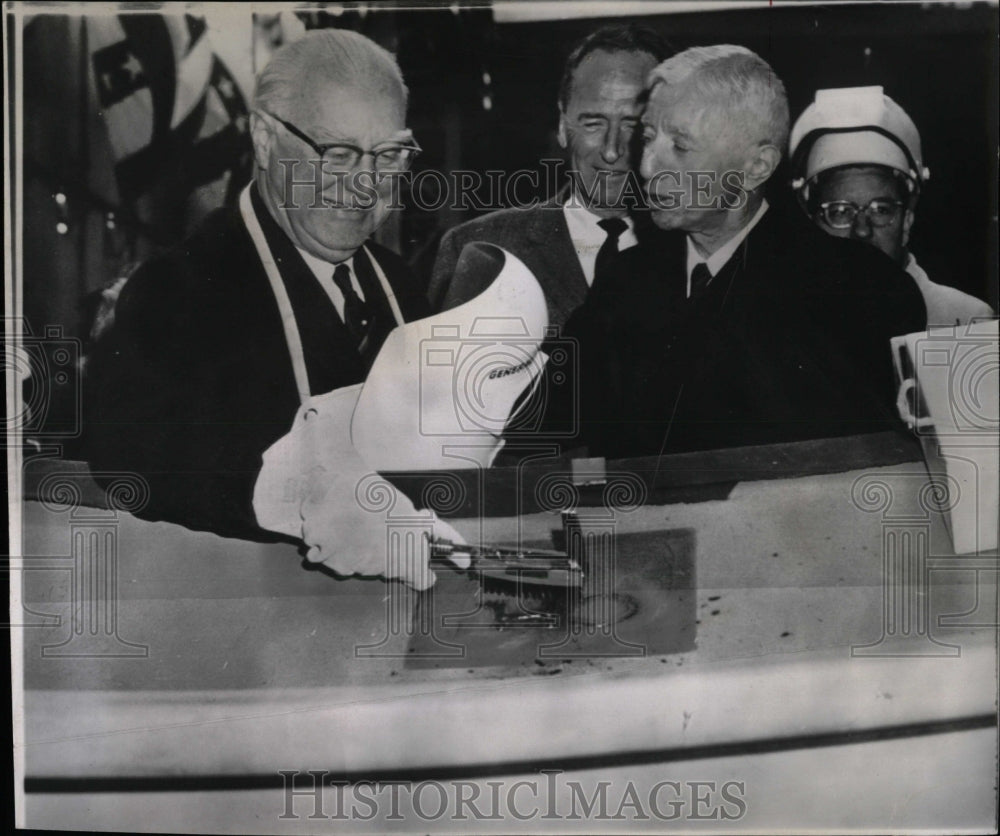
{"type": "Point", "coordinates": [171, 107]}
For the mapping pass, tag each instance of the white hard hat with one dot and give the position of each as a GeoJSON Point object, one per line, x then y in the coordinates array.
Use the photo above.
{"type": "Point", "coordinates": [443, 388]}
{"type": "Point", "coordinates": [855, 126]}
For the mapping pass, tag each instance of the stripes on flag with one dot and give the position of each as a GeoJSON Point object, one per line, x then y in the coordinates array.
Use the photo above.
{"type": "Point", "coordinates": [169, 103]}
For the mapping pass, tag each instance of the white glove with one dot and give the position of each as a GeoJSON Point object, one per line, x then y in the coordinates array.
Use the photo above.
{"type": "Point", "coordinates": [356, 523]}
{"type": "Point", "coordinates": [315, 485]}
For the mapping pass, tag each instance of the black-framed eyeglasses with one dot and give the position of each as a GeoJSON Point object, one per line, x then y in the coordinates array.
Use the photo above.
{"type": "Point", "coordinates": [840, 214]}
{"type": "Point", "coordinates": [344, 156]}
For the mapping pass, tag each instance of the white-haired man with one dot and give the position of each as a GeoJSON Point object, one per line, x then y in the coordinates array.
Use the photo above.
{"type": "Point", "coordinates": [748, 326]}
{"type": "Point", "coordinates": [859, 170]}
{"type": "Point", "coordinates": [217, 344]}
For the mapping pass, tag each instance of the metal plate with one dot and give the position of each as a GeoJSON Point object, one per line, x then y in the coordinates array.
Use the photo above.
{"type": "Point", "coordinates": [637, 600]}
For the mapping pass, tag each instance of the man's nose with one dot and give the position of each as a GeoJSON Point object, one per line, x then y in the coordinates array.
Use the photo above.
{"type": "Point", "coordinates": [366, 163]}
{"type": "Point", "coordinates": [861, 229]}
{"type": "Point", "coordinates": [611, 148]}
{"type": "Point", "coordinates": [360, 179]}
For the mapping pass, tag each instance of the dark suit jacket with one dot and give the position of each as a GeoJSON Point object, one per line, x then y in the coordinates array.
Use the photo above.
{"type": "Point", "coordinates": [195, 379]}
{"type": "Point", "coordinates": [789, 342]}
{"type": "Point", "coordinates": [538, 236]}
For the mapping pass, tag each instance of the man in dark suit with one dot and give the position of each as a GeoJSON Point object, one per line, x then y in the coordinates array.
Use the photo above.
{"type": "Point", "coordinates": [741, 324]}
{"type": "Point", "coordinates": [563, 241]}
{"type": "Point", "coordinates": [217, 344]}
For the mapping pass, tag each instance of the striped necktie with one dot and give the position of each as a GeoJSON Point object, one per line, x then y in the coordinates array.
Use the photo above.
{"type": "Point", "coordinates": [357, 314]}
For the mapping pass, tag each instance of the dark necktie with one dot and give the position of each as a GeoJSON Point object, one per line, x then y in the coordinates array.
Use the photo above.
{"type": "Point", "coordinates": [357, 314]}
{"type": "Point", "coordinates": [609, 249]}
{"type": "Point", "coordinates": [700, 277]}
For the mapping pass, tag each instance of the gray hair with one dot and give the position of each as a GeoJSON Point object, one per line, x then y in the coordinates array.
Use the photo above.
{"type": "Point", "coordinates": [338, 56]}
{"type": "Point", "coordinates": [738, 80]}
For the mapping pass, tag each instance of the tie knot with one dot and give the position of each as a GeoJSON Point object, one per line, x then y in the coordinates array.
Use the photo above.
{"type": "Point", "coordinates": [700, 277]}
{"type": "Point", "coordinates": [613, 226]}
{"type": "Point", "coordinates": [342, 278]}
{"type": "Point", "coordinates": [700, 272]}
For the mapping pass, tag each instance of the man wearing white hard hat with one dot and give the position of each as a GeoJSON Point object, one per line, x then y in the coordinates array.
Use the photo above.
{"type": "Point", "coordinates": [859, 170]}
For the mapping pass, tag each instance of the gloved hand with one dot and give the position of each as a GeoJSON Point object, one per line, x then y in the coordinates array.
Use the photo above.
{"type": "Point", "coordinates": [350, 518]}
{"type": "Point", "coordinates": [356, 523]}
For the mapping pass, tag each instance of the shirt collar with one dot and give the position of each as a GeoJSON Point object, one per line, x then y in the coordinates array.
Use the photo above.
{"type": "Point", "coordinates": [583, 224]}
{"type": "Point", "coordinates": [914, 269]}
{"type": "Point", "coordinates": [323, 270]}
{"type": "Point", "coordinates": [717, 260]}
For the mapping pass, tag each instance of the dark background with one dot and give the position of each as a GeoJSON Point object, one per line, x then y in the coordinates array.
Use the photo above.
{"type": "Point", "coordinates": [938, 61]}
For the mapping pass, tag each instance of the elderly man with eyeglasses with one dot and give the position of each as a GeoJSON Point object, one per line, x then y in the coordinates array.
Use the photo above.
{"type": "Point", "coordinates": [859, 171]}
{"type": "Point", "coordinates": [218, 344]}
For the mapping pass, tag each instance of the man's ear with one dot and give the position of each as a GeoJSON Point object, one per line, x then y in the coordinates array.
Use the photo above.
{"type": "Point", "coordinates": [262, 136]}
{"type": "Point", "coordinates": [761, 165]}
{"type": "Point", "coordinates": [561, 134]}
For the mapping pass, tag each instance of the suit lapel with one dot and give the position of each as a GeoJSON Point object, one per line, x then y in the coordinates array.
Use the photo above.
{"type": "Point", "coordinates": [666, 255]}
{"type": "Point", "coordinates": [384, 320]}
{"type": "Point", "coordinates": [761, 246]}
{"type": "Point", "coordinates": [330, 356]}
{"type": "Point", "coordinates": [550, 235]}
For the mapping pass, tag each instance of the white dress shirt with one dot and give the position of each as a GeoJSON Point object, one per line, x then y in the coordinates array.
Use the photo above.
{"type": "Point", "coordinates": [946, 306]}
{"type": "Point", "coordinates": [717, 260]}
{"type": "Point", "coordinates": [323, 271]}
{"type": "Point", "coordinates": [588, 237]}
